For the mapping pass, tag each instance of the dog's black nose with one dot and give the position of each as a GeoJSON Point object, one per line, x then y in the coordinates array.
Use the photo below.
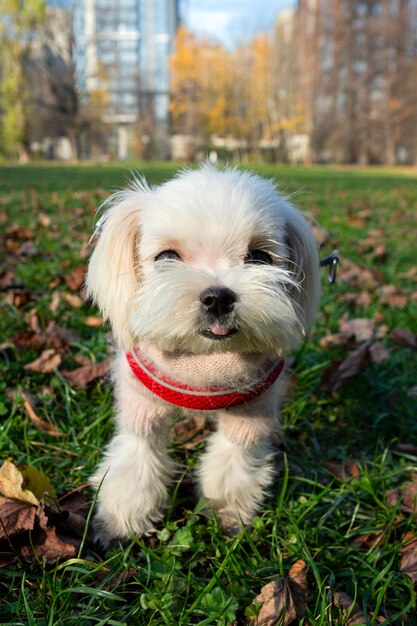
{"type": "Point", "coordinates": [218, 300]}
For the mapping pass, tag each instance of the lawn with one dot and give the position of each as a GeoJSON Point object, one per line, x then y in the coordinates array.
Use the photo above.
{"type": "Point", "coordinates": [344, 500]}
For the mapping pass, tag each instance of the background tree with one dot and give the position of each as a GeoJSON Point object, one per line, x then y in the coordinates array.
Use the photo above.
{"type": "Point", "coordinates": [185, 86]}
{"type": "Point", "coordinates": [19, 23]}
{"type": "Point", "coordinates": [244, 97]}
{"type": "Point", "coordinates": [54, 92]}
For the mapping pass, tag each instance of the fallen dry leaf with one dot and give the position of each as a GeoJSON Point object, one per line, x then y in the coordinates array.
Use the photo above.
{"type": "Point", "coordinates": [284, 600]}
{"type": "Point", "coordinates": [59, 337]}
{"type": "Point", "coordinates": [73, 300]}
{"type": "Point", "coordinates": [378, 353]}
{"type": "Point", "coordinates": [6, 278]}
{"type": "Point", "coordinates": [81, 359]}
{"type": "Point", "coordinates": [391, 296]}
{"type": "Point", "coordinates": [191, 431]}
{"type": "Point", "coordinates": [404, 337]}
{"type": "Point", "coordinates": [31, 533]}
{"type": "Point", "coordinates": [28, 339]}
{"type": "Point", "coordinates": [53, 337]}
{"type": "Point", "coordinates": [336, 375]}
{"type": "Point", "coordinates": [364, 299]}
{"type": "Point", "coordinates": [44, 219]}
{"type": "Point", "coordinates": [46, 545]}
{"type": "Point", "coordinates": [39, 423]}
{"type": "Point", "coordinates": [369, 540]}
{"type": "Point", "coordinates": [379, 252]}
{"type": "Point", "coordinates": [361, 328]}
{"type": "Point", "coordinates": [11, 484]}
{"type": "Point", "coordinates": [343, 601]}
{"type": "Point", "coordinates": [365, 214]}
{"type": "Point", "coordinates": [336, 339]}
{"type": "Point", "coordinates": [28, 249]}
{"type": "Point", "coordinates": [344, 470]}
{"type": "Point", "coordinates": [356, 220]}
{"type": "Point", "coordinates": [376, 233]}
{"type": "Point", "coordinates": [357, 276]}
{"type": "Point", "coordinates": [19, 233]}
{"type": "Point", "coordinates": [55, 302]}
{"type": "Point", "coordinates": [408, 563]}
{"type": "Point", "coordinates": [73, 511]}
{"type": "Point", "coordinates": [353, 331]}
{"type": "Point", "coordinates": [32, 320]}
{"type": "Point", "coordinates": [92, 321]}
{"type": "Point", "coordinates": [405, 496]}
{"type": "Point", "coordinates": [54, 283]}
{"type": "Point", "coordinates": [84, 375]}
{"type": "Point", "coordinates": [18, 297]}
{"type": "Point", "coordinates": [15, 517]}
{"type": "Point", "coordinates": [75, 279]}
{"type": "Point", "coordinates": [47, 362]}
{"type": "Point", "coordinates": [353, 298]}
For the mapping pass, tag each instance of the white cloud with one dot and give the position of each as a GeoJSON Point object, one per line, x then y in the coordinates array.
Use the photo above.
{"type": "Point", "coordinates": [207, 21]}
{"type": "Point", "coordinates": [231, 21]}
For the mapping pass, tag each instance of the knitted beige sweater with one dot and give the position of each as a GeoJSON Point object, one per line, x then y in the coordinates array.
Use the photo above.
{"type": "Point", "coordinates": [141, 411]}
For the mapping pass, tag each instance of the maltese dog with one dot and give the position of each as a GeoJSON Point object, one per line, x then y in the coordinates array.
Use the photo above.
{"type": "Point", "coordinates": [208, 281]}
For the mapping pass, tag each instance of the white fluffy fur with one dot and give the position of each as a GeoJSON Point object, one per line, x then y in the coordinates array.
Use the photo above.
{"type": "Point", "coordinates": [212, 218]}
{"type": "Point", "coordinates": [234, 477]}
{"type": "Point", "coordinates": [133, 478]}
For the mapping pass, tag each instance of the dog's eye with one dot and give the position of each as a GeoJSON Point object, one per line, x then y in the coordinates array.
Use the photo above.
{"type": "Point", "coordinates": [166, 255]}
{"type": "Point", "coordinates": [258, 257]}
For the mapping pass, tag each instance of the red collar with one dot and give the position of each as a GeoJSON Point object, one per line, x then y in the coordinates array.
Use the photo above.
{"type": "Point", "coordinates": [196, 397]}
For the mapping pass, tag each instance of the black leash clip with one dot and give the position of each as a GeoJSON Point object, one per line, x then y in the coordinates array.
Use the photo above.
{"type": "Point", "coordinates": [331, 262]}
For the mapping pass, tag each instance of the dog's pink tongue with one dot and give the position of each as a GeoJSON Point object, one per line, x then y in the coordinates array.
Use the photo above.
{"type": "Point", "coordinates": [220, 330]}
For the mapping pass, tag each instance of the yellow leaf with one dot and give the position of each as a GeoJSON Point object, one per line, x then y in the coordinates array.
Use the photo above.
{"type": "Point", "coordinates": [11, 481]}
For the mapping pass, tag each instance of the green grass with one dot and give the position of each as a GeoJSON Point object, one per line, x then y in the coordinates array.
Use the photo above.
{"type": "Point", "coordinates": [190, 573]}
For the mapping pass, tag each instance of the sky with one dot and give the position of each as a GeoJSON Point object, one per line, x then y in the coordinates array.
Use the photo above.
{"type": "Point", "coordinates": [231, 21]}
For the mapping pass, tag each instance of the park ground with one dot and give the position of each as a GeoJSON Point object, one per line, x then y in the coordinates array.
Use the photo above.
{"type": "Point", "coordinates": [343, 506]}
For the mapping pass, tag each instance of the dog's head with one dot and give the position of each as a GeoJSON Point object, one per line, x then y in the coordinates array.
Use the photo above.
{"type": "Point", "coordinates": [210, 261]}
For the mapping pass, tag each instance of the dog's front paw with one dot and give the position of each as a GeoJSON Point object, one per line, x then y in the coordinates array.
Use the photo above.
{"type": "Point", "coordinates": [234, 478]}
{"type": "Point", "coordinates": [132, 482]}
{"type": "Point", "coordinates": [113, 526]}
{"type": "Point", "coordinates": [121, 515]}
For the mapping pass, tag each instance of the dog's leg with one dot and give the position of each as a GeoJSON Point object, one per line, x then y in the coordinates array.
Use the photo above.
{"type": "Point", "coordinates": [134, 475]}
{"type": "Point", "coordinates": [236, 469]}
{"type": "Point", "coordinates": [132, 480]}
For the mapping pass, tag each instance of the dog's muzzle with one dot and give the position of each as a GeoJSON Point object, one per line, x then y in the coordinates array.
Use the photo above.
{"type": "Point", "coordinates": [218, 305]}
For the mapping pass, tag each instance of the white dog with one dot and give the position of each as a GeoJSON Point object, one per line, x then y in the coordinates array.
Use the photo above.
{"type": "Point", "coordinates": [208, 280]}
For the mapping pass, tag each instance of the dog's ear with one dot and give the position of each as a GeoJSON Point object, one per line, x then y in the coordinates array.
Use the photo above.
{"type": "Point", "coordinates": [113, 273]}
{"type": "Point", "coordinates": [304, 264]}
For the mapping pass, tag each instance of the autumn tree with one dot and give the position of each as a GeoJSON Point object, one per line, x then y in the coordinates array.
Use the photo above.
{"type": "Point", "coordinates": [19, 23]}
{"type": "Point", "coordinates": [200, 90]}
{"type": "Point", "coordinates": [275, 103]}
{"type": "Point", "coordinates": [235, 95]}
